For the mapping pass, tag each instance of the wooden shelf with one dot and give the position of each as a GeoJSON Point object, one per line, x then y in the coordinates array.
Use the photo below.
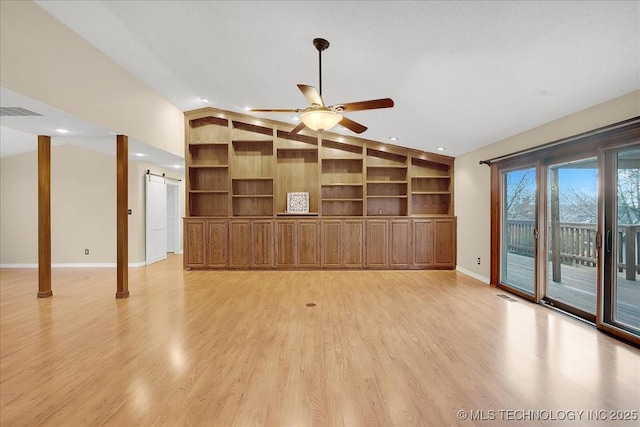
{"type": "Point", "coordinates": [252, 141]}
{"type": "Point", "coordinates": [297, 214]}
{"type": "Point", "coordinates": [386, 182]}
{"type": "Point", "coordinates": [342, 159]}
{"type": "Point", "coordinates": [246, 167]}
{"type": "Point", "coordinates": [207, 130]}
{"type": "Point", "coordinates": [252, 206]}
{"type": "Point", "coordinates": [430, 185]}
{"type": "Point", "coordinates": [255, 178]}
{"type": "Point", "coordinates": [252, 187]}
{"type": "Point", "coordinates": [312, 149]}
{"type": "Point", "coordinates": [431, 204]}
{"type": "Point", "coordinates": [297, 169]}
{"type": "Point", "coordinates": [342, 192]}
{"type": "Point", "coordinates": [208, 204]}
{"type": "Point", "coordinates": [431, 192]}
{"type": "Point", "coordinates": [209, 191]}
{"type": "Point", "coordinates": [342, 207]}
{"type": "Point", "coordinates": [208, 178]}
{"type": "Point", "coordinates": [387, 206]}
{"type": "Point", "coordinates": [429, 169]}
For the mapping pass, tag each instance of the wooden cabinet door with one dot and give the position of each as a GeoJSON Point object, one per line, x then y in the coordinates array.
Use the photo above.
{"type": "Point", "coordinates": [331, 243]}
{"type": "Point", "coordinates": [353, 243]}
{"type": "Point", "coordinates": [240, 239]}
{"type": "Point", "coordinates": [262, 244]}
{"type": "Point", "coordinates": [423, 243]}
{"type": "Point", "coordinates": [217, 244]}
{"type": "Point", "coordinates": [194, 248]}
{"type": "Point", "coordinates": [286, 247]}
{"type": "Point", "coordinates": [399, 243]}
{"type": "Point", "coordinates": [377, 245]}
{"type": "Point", "coordinates": [308, 244]}
{"type": "Point", "coordinates": [445, 243]}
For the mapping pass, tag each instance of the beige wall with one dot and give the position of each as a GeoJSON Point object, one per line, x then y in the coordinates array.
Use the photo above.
{"type": "Point", "coordinates": [472, 180]}
{"type": "Point", "coordinates": [44, 60]}
{"type": "Point", "coordinates": [83, 201]}
{"type": "Point", "coordinates": [19, 209]}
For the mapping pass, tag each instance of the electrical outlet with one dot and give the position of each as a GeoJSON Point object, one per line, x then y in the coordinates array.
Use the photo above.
{"type": "Point", "coordinates": [478, 260]}
{"type": "Point", "coordinates": [86, 251]}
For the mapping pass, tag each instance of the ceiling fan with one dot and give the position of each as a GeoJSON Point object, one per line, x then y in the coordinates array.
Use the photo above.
{"type": "Point", "coordinates": [322, 117]}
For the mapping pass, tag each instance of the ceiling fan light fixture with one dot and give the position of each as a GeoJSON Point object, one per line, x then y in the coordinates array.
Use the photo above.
{"type": "Point", "coordinates": [320, 119]}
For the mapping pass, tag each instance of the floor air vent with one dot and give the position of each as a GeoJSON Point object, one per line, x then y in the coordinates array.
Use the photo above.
{"type": "Point", "coordinates": [16, 111]}
{"type": "Point", "coordinates": [507, 297]}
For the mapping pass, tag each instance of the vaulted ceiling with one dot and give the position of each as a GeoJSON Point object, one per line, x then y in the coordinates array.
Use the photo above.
{"type": "Point", "coordinates": [462, 74]}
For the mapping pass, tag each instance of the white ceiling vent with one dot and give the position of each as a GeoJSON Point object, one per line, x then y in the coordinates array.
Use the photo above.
{"type": "Point", "coordinates": [17, 111]}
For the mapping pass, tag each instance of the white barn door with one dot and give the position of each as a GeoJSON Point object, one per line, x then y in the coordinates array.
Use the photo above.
{"type": "Point", "coordinates": [156, 218]}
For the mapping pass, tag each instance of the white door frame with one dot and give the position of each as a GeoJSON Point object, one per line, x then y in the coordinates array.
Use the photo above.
{"type": "Point", "coordinates": [174, 187]}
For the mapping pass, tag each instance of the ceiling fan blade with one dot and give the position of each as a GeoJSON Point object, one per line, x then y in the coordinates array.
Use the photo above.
{"type": "Point", "coordinates": [297, 129]}
{"type": "Point", "coordinates": [366, 105]}
{"type": "Point", "coordinates": [351, 125]}
{"type": "Point", "coordinates": [311, 94]}
{"type": "Point", "coordinates": [275, 110]}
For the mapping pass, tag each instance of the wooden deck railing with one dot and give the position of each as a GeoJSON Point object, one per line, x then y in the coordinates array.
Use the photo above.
{"type": "Point", "coordinates": [578, 244]}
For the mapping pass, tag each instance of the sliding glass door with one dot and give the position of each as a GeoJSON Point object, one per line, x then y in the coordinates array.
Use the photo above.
{"type": "Point", "coordinates": [565, 226]}
{"type": "Point", "coordinates": [621, 308]}
{"type": "Point", "coordinates": [519, 232]}
{"type": "Point", "coordinates": [572, 224]}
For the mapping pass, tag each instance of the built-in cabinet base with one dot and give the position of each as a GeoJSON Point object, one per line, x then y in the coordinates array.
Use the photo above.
{"type": "Point", "coordinates": [335, 243]}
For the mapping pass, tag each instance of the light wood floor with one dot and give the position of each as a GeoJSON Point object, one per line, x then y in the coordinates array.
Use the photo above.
{"type": "Point", "coordinates": [243, 349]}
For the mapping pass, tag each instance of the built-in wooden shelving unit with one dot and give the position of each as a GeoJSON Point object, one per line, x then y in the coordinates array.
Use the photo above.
{"type": "Point", "coordinates": [242, 167]}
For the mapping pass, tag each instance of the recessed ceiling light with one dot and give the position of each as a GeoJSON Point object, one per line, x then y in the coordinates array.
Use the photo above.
{"type": "Point", "coordinates": [140, 155]}
{"type": "Point", "coordinates": [440, 148]}
{"type": "Point", "coordinates": [113, 133]}
{"type": "Point", "coordinates": [393, 138]}
{"type": "Point", "coordinates": [247, 108]}
{"type": "Point", "coordinates": [295, 118]}
{"type": "Point", "coordinates": [177, 166]}
{"type": "Point", "coordinates": [208, 101]}
{"type": "Point", "coordinates": [60, 130]}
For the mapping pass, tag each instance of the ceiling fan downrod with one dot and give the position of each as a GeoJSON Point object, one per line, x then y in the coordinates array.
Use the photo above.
{"type": "Point", "coordinates": [320, 44]}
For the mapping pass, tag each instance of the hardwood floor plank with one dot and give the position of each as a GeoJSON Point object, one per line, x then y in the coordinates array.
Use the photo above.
{"type": "Point", "coordinates": [242, 348]}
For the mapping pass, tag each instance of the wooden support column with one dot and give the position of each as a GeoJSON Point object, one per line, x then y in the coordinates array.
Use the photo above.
{"type": "Point", "coordinates": [122, 229]}
{"type": "Point", "coordinates": [44, 216]}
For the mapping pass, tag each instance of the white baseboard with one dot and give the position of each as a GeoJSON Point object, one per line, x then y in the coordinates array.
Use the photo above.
{"type": "Point", "coordinates": [75, 265]}
{"type": "Point", "coordinates": [18, 265]}
{"type": "Point", "coordinates": [474, 275]}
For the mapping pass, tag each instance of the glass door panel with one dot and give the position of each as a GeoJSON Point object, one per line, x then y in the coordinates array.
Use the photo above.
{"type": "Point", "coordinates": [572, 223]}
{"type": "Point", "coordinates": [623, 241]}
{"type": "Point", "coordinates": [519, 230]}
